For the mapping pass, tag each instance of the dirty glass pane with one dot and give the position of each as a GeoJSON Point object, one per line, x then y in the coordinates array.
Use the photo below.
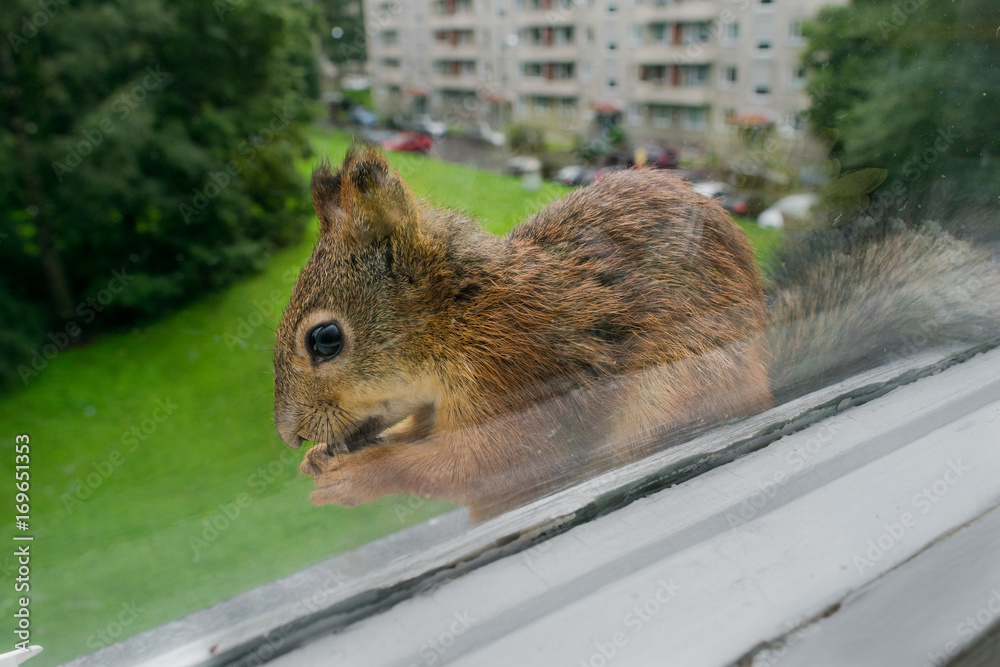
{"type": "Point", "coordinates": [741, 202]}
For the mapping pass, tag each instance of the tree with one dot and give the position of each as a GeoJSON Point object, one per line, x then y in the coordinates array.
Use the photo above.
{"type": "Point", "coordinates": [341, 25]}
{"type": "Point", "coordinates": [148, 154]}
{"type": "Point", "coordinates": [911, 86]}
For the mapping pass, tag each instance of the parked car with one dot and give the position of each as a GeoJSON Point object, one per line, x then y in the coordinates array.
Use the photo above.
{"type": "Point", "coordinates": [724, 194]}
{"type": "Point", "coordinates": [570, 175]}
{"type": "Point", "coordinates": [435, 128]}
{"type": "Point", "coordinates": [517, 165]}
{"type": "Point", "coordinates": [711, 189]}
{"type": "Point", "coordinates": [410, 142]}
{"type": "Point", "coordinates": [576, 175]}
{"type": "Point", "coordinates": [793, 210]}
{"type": "Point", "coordinates": [483, 132]}
{"type": "Point", "coordinates": [659, 156]}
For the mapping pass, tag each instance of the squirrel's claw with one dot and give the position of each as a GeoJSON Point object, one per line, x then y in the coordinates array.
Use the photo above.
{"type": "Point", "coordinates": [341, 478]}
{"type": "Point", "coordinates": [315, 460]}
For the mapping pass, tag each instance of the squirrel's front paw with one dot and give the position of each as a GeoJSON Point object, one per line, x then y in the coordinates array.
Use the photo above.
{"type": "Point", "coordinates": [341, 478]}
{"type": "Point", "coordinates": [317, 459]}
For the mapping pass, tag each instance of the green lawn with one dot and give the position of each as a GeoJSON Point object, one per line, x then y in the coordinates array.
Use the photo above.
{"type": "Point", "coordinates": [765, 241]}
{"type": "Point", "coordinates": [143, 443]}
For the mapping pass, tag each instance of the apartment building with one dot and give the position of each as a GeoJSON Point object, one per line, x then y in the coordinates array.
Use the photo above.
{"type": "Point", "coordinates": [683, 71]}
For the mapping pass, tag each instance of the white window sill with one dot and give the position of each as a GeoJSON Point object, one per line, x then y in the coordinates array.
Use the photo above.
{"type": "Point", "coordinates": [734, 558]}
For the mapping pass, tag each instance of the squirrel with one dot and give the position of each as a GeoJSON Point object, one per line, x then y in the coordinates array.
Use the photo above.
{"type": "Point", "coordinates": [425, 356]}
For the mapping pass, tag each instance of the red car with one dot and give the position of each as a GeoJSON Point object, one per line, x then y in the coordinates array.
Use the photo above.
{"type": "Point", "coordinates": [411, 142]}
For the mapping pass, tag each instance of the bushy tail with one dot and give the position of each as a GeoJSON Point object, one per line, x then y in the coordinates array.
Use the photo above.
{"type": "Point", "coordinates": [836, 310]}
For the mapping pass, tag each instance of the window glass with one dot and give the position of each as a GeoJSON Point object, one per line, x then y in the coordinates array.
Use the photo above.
{"type": "Point", "coordinates": [156, 212]}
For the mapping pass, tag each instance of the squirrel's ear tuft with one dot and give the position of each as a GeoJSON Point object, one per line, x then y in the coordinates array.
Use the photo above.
{"type": "Point", "coordinates": [326, 196]}
{"type": "Point", "coordinates": [376, 202]}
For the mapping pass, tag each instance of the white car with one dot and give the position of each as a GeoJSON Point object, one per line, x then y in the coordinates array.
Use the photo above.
{"type": "Point", "coordinates": [796, 207]}
{"type": "Point", "coordinates": [570, 175]}
{"type": "Point", "coordinates": [435, 128]}
{"type": "Point", "coordinates": [711, 189]}
{"type": "Point", "coordinates": [489, 135]}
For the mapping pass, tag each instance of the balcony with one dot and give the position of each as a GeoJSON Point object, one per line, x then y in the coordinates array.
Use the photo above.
{"type": "Point", "coordinates": [539, 85]}
{"type": "Point", "coordinates": [548, 52]}
{"type": "Point", "coordinates": [456, 81]}
{"type": "Point", "coordinates": [448, 51]}
{"type": "Point", "coordinates": [701, 10]}
{"type": "Point", "coordinates": [456, 20]}
{"type": "Point", "coordinates": [664, 54]}
{"type": "Point", "coordinates": [658, 93]}
{"type": "Point", "coordinates": [553, 15]}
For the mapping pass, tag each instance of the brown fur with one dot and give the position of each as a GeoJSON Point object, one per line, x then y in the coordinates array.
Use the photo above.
{"type": "Point", "coordinates": [625, 311]}
{"type": "Point", "coordinates": [490, 371]}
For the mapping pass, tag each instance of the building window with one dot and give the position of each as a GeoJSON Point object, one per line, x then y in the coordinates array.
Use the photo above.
{"type": "Point", "coordinates": [563, 35]}
{"type": "Point", "coordinates": [694, 75]}
{"type": "Point", "coordinates": [451, 7]}
{"type": "Point", "coordinates": [633, 115]}
{"type": "Point", "coordinates": [762, 79]}
{"type": "Point", "coordinates": [656, 74]}
{"type": "Point", "coordinates": [695, 33]}
{"type": "Point", "coordinates": [549, 70]}
{"type": "Point", "coordinates": [635, 36]}
{"type": "Point", "coordinates": [661, 116]}
{"type": "Point", "coordinates": [546, 35]}
{"type": "Point", "coordinates": [659, 33]}
{"type": "Point", "coordinates": [764, 35]}
{"type": "Point", "coordinates": [797, 77]}
{"type": "Point", "coordinates": [795, 36]}
{"type": "Point", "coordinates": [693, 119]}
{"type": "Point", "coordinates": [567, 107]}
{"type": "Point", "coordinates": [454, 37]}
{"type": "Point", "coordinates": [730, 33]}
{"type": "Point", "coordinates": [728, 77]}
{"type": "Point", "coordinates": [455, 67]}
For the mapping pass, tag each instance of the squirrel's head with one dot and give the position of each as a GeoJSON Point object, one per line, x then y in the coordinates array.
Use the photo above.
{"type": "Point", "coordinates": [348, 355]}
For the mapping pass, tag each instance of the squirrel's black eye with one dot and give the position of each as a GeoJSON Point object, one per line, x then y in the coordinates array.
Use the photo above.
{"type": "Point", "coordinates": [325, 341]}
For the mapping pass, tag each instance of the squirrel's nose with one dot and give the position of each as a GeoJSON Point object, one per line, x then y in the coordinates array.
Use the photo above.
{"type": "Point", "coordinates": [285, 423]}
